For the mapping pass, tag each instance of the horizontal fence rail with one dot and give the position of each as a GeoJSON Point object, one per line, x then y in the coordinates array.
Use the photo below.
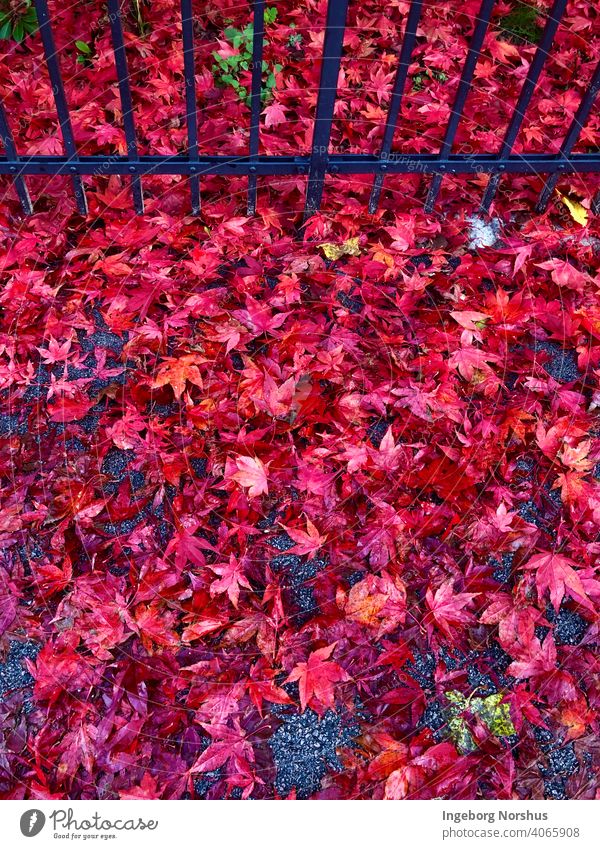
{"type": "Point", "coordinates": [320, 161]}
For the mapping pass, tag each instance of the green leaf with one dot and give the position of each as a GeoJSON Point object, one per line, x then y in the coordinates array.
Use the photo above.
{"type": "Point", "coordinates": [461, 736]}
{"type": "Point", "coordinates": [456, 698]}
{"type": "Point", "coordinates": [495, 714]}
{"type": "Point", "coordinates": [491, 710]}
{"type": "Point", "coordinates": [5, 30]}
{"type": "Point", "coordinates": [220, 61]}
{"type": "Point", "coordinates": [83, 47]}
{"type": "Point", "coordinates": [18, 31]}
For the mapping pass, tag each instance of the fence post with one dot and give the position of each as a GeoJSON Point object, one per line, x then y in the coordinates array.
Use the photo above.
{"type": "Point", "coordinates": [335, 28]}
{"type": "Point", "coordinates": [258, 35]}
{"type": "Point", "coordinates": [191, 110]}
{"type": "Point", "coordinates": [62, 109]}
{"type": "Point", "coordinates": [408, 44]}
{"type": "Point", "coordinates": [464, 87]}
{"type": "Point", "coordinates": [573, 133]}
{"type": "Point", "coordinates": [11, 152]}
{"type": "Point", "coordinates": [535, 69]}
{"type": "Point", "coordinates": [114, 14]}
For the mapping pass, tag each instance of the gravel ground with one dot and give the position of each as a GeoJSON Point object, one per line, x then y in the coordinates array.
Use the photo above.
{"type": "Point", "coordinates": [13, 673]}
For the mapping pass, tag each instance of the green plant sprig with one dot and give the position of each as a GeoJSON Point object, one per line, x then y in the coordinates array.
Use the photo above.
{"type": "Point", "coordinates": [227, 70]}
{"type": "Point", "coordinates": [17, 23]}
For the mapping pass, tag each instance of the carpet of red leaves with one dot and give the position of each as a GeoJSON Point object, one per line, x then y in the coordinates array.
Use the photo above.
{"type": "Point", "coordinates": [274, 524]}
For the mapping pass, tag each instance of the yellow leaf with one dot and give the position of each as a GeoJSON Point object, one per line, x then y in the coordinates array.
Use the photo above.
{"type": "Point", "coordinates": [492, 711]}
{"type": "Point", "coordinates": [347, 248]}
{"type": "Point", "coordinates": [578, 212]}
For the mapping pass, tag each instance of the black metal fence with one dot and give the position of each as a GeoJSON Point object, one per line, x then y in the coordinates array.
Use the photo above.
{"type": "Point", "coordinates": [320, 161]}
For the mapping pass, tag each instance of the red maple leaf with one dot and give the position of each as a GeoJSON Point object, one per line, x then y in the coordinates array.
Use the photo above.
{"type": "Point", "coordinates": [231, 580]}
{"type": "Point", "coordinates": [317, 679]}
{"type": "Point", "coordinates": [68, 409]}
{"type": "Point", "coordinates": [187, 547]}
{"type": "Point", "coordinates": [274, 115]}
{"type": "Point", "coordinates": [230, 747]}
{"type": "Point", "coordinates": [565, 274]}
{"type": "Point", "coordinates": [258, 317]}
{"type": "Point", "coordinates": [278, 399]}
{"type": "Point", "coordinates": [307, 542]}
{"type": "Point", "coordinates": [252, 474]}
{"type": "Point", "coordinates": [262, 688]}
{"type": "Point", "coordinates": [448, 607]}
{"type": "Point", "coordinates": [556, 573]}
{"type": "Point", "coordinates": [539, 659]}
{"type": "Point", "coordinates": [147, 789]}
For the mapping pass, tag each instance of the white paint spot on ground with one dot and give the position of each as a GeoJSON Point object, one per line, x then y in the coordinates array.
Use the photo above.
{"type": "Point", "coordinates": [483, 233]}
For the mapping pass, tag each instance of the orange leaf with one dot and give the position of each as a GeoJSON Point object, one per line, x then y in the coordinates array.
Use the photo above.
{"type": "Point", "coordinates": [377, 602]}
{"type": "Point", "coordinates": [175, 371]}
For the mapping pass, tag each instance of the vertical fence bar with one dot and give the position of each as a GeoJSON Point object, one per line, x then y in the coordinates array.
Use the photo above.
{"type": "Point", "coordinates": [116, 27]}
{"type": "Point", "coordinates": [62, 109]}
{"type": "Point", "coordinates": [191, 109]}
{"type": "Point", "coordinates": [408, 44]}
{"type": "Point", "coordinates": [464, 87]}
{"type": "Point", "coordinates": [335, 27]}
{"type": "Point", "coordinates": [11, 153]}
{"type": "Point", "coordinates": [535, 69]}
{"type": "Point", "coordinates": [258, 37]}
{"type": "Point", "coordinates": [573, 133]}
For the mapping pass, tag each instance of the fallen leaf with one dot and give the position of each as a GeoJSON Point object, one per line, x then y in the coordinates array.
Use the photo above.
{"type": "Point", "coordinates": [317, 679]}
{"type": "Point", "coordinates": [348, 248]}
{"type": "Point", "coordinates": [251, 474]}
{"type": "Point", "coordinates": [578, 212]}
